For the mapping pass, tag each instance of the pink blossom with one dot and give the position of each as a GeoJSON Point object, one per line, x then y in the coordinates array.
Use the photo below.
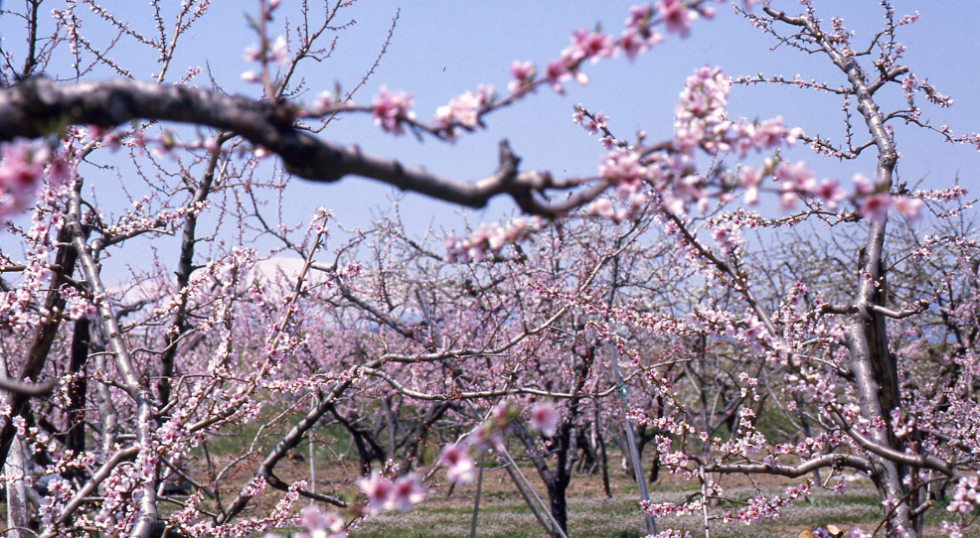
{"type": "Point", "coordinates": [334, 523]}
{"type": "Point", "coordinates": [796, 177]}
{"type": "Point", "coordinates": [726, 237]}
{"type": "Point", "coordinates": [319, 524]}
{"type": "Point", "coordinates": [20, 172]}
{"type": "Point", "coordinates": [253, 53]}
{"type": "Point", "coordinates": [485, 434]}
{"type": "Point", "coordinates": [597, 124]}
{"type": "Point", "coordinates": [771, 134]}
{"type": "Point", "coordinates": [948, 529]}
{"type": "Point", "coordinates": [544, 419]}
{"type": "Point", "coordinates": [391, 109]}
{"type": "Point", "coordinates": [750, 178]}
{"type": "Point", "coordinates": [700, 111]}
{"type": "Point", "coordinates": [677, 17]}
{"type": "Point", "coordinates": [602, 208]}
{"type": "Point", "coordinates": [909, 85]}
{"type": "Point", "coordinates": [251, 76]}
{"type": "Point", "coordinates": [523, 73]}
{"type": "Point", "coordinates": [460, 466]}
{"type": "Point", "coordinates": [322, 103]}
{"type": "Point", "coordinates": [863, 185]}
{"type": "Point", "coordinates": [755, 331]}
{"type": "Point", "coordinates": [312, 518]}
{"type": "Point", "coordinates": [378, 490]}
{"type": "Point", "coordinates": [407, 491]}
{"type": "Point", "coordinates": [502, 412]}
{"type": "Point", "coordinates": [908, 207]}
{"type": "Point", "coordinates": [909, 19]}
{"type": "Point", "coordinates": [632, 44]}
{"type": "Point", "coordinates": [279, 51]}
{"type": "Point", "coordinates": [831, 192]}
{"type": "Point", "coordinates": [465, 109]}
{"type": "Point", "coordinates": [589, 45]}
{"type": "Point", "coordinates": [876, 206]}
{"type": "Point", "coordinates": [622, 166]}
{"type": "Point", "coordinates": [966, 496]}
{"type": "Point", "coordinates": [639, 17]}
{"type": "Point", "coordinates": [555, 74]}
{"type": "Point", "coordinates": [788, 201]}
{"type": "Point", "coordinates": [635, 200]}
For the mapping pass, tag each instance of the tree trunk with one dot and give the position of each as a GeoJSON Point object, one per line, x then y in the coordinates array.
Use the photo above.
{"type": "Point", "coordinates": [76, 392]}
{"type": "Point", "coordinates": [876, 377]}
{"type": "Point", "coordinates": [559, 506]}
{"type": "Point", "coordinates": [18, 513]}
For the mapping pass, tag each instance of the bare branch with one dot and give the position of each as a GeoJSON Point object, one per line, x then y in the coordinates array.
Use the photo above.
{"type": "Point", "coordinates": [794, 471]}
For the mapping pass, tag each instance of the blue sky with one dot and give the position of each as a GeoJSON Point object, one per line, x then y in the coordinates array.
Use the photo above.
{"type": "Point", "coordinates": [446, 47]}
{"type": "Point", "coordinates": [443, 48]}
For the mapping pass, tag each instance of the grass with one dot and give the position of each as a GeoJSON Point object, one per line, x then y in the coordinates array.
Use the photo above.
{"type": "Point", "coordinates": [503, 512]}
{"type": "Point", "coordinates": [504, 518]}
{"type": "Point", "coordinates": [591, 515]}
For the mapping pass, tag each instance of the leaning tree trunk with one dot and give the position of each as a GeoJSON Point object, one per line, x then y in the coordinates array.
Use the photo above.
{"type": "Point", "coordinates": [874, 370]}
{"type": "Point", "coordinates": [555, 480]}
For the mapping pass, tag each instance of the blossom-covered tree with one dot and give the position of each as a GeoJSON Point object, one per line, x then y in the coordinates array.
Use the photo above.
{"type": "Point", "coordinates": [525, 333]}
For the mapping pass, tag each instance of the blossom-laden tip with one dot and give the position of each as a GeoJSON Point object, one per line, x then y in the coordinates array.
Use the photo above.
{"type": "Point", "coordinates": [391, 109]}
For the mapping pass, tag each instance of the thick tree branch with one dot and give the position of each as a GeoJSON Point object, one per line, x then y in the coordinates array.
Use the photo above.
{"type": "Point", "coordinates": [282, 448]}
{"type": "Point", "coordinates": [28, 389]}
{"type": "Point", "coordinates": [38, 107]}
